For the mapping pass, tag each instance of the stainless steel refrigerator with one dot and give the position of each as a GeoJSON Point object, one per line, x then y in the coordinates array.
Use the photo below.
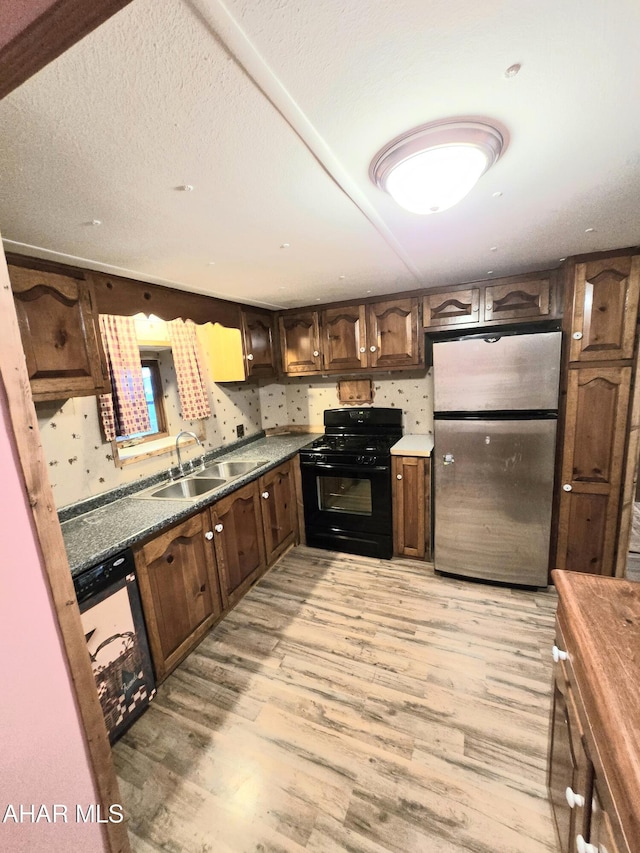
{"type": "Point", "coordinates": [496, 400]}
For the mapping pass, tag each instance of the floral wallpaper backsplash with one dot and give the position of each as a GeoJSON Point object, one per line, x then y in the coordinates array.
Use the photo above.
{"type": "Point", "coordinates": [302, 401]}
{"type": "Point", "coordinates": [81, 463]}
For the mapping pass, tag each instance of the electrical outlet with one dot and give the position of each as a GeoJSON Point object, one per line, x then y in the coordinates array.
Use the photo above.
{"type": "Point", "coordinates": [240, 430]}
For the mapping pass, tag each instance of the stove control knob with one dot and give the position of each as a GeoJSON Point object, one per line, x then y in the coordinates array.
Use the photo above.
{"type": "Point", "coordinates": [321, 459]}
{"type": "Point", "coordinates": [361, 460]}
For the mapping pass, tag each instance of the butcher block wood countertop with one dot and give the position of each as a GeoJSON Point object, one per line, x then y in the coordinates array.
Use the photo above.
{"type": "Point", "coordinates": [600, 620]}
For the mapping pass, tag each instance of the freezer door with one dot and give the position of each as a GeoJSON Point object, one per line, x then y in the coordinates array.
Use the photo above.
{"type": "Point", "coordinates": [494, 373]}
{"type": "Point", "coordinates": [493, 493]}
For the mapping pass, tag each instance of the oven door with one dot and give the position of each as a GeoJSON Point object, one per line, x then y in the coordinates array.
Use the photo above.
{"type": "Point", "coordinates": [348, 507]}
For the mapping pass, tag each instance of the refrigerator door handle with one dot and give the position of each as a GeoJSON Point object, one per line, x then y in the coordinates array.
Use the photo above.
{"type": "Point", "coordinates": [448, 459]}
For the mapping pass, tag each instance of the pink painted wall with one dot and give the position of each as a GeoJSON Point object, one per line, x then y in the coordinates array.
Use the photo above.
{"type": "Point", "coordinates": [18, 14]}
{"type": "Point", "coordinates": [42, 752]}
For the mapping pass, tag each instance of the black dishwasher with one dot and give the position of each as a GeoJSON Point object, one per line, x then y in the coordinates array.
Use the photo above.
{"type": "Point", "coordinates": [114, 629]}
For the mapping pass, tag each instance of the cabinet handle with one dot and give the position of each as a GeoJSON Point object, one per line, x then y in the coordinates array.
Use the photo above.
{"type": "Point", "coordinates": [558, 654]}
{"type": "Point", "coordinates": [577, 336]}
{"type": "Point", "coordinates": [372, 349]}
{"type": "Point", "coordinates": [398, 476]}
{"type": "Point", "coordinates": [363, 349]}
{"type": "Point", "coordinates": [209, 535]}
{"type": "Point", "coordinates": [250, 357]}
{"type": "Point", "coordinates": [583, 846]}
{"type": "Point", "coordinates": [219, 528]}
{"type": "Point", "coordinates": [574, 799]}
{"type": "Point", "coordinates": [567, 487]}
{"type": "Point", "coordinates": [315, 353]}
{"type": "Point", "coordinates": [265, 495]}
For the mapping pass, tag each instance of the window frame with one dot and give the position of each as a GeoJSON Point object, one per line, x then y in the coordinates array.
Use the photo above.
{"type": "Point", "coordinates": [158, 401]}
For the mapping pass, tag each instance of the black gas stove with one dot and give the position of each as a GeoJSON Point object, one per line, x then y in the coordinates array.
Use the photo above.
{"type": "Point", "coordinates": [346, 481]}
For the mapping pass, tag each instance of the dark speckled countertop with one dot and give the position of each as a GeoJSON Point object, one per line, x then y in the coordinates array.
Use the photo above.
{"type": "Point", "coordinates": [96, 535]}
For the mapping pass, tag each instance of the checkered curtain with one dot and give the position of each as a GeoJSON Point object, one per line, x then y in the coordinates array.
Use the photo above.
{"type": "Point", "coordinates": [190, 372]}
{"type": "Point", "coordinates": [124, 412]}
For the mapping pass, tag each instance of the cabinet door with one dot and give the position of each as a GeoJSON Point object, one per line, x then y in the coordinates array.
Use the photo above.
{"type": "Point", "coordinates": [519, 300]}
{"type": "Point", "coordinates": [179, 588]}
{"type": "Point", "coordinates": [592, 461]}
{"type": "Point", "coordinates": [412, 506]}
{"type": "Point", "coordinates": [299, 339]}
{"type": "Point", "coordinates": [258, 343]}
{"type": "Point", "coordinates": [278, 499]}
{"type": "Point", "coordinates": [460, 308]}
{"type": "Point", "coordinates": [601, 831]}
{"type": "Point", "coordinates": [59, 331]}
{"type": "Point", "coordinates": [239, 542]}
{"type": "Point", "coordinates": [605, 309]}
{"type": "Point", "coordinates": [393, 333]}
{"type": "Point", "coordinates": [569, 770]}
{"type": "Point", "coordinates": [343, 338]}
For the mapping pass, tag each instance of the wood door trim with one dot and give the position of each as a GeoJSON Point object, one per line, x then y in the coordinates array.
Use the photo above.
{"type": "Point", "coordinates": [14, 384]}
{"type": "Point", "coordinates": [56, 29]}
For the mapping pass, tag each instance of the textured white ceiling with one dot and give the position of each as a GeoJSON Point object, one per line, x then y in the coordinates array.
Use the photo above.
{"type": "Point", "coordinates": [273, 109]}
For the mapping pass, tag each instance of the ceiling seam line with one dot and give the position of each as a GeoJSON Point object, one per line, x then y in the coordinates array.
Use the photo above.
{"type": "Point", "coordinates": [258, 71]}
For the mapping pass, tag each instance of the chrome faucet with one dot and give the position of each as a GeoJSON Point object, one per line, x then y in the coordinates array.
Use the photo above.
{"type": "Point", "coordinates": [193, 435]}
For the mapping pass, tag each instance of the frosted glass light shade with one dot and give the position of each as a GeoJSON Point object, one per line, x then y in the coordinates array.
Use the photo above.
{"type": "Point", "coordinates": [434, 166]}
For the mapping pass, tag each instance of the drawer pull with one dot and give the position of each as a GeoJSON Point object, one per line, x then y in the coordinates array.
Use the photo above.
{"type": "Point", "coordinates": [583, 846]}
{"type": "Point", "coordinates": [315, 353]}
{"type": "Point", "coordinates": [373, 349]}
{"type": "Point", "coordinates": [265, 495]}
{"type": "Point", "coordinates": [557, 654]}
{"type": "Point", "coordinates": [363, 349]}
{"type": "Point", "coordinates": [250, 356]}
{"type": "Point", "coordinates": [574, 799]}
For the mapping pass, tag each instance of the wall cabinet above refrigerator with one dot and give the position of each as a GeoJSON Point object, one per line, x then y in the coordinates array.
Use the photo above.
{"type": "Point", "coordinates": [516, 299]}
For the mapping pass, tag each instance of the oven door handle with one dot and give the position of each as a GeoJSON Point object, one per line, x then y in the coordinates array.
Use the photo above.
{"type": "Point", "coordinates": [343, 468]}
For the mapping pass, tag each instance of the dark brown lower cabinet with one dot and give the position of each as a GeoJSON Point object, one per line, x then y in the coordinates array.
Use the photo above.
{"type": "Point", "coordinates": [570, 771]}
{"type": "Point", "coordinates": [197, 570]}
{"type": "Point", "coordinates": [411, 485]}
{"type": "Point", "coordinates": [601, 833]}
{"type": "Point", "coordinates": [279, 512]}
{"type": "Point", "coordinates": [179, 589]}
{"type": "Point", "coordinates": [594, 752]}
{"type": "Point", "coordinates": [239, 541]}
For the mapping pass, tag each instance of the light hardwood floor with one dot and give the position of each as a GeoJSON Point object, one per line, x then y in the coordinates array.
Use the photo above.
{"type": "Point", "coordinates": [351, 704]}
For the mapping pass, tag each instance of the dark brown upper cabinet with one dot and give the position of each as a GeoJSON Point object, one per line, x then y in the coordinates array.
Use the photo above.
{"type": "Point", "coordinates": [346, 338]}
{"type": "Point", "coordinates": [344, 343]}
{"type": "Point", "coordinates": [60, 336]}
{"type": "Point", "coordinates": [300, 342]}
{"type": "Point", "coordinates": [259, 347]}
{"type": "Point", "coordinates": [517, 301]}
{"type": "Point", "coordinates": [393, 333]}
{"type": "Point", "coordinates": [442, 310]}
{"type": "Point", "coordinates": [605, 308]}
{"type": "Point", "coordinates": [524, 298]}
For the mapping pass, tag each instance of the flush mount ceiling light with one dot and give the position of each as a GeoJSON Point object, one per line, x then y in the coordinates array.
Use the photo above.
{"type": "Point", "coordinates": [433, 167]}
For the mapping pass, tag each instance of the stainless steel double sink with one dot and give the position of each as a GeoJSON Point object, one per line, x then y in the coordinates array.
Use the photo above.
{"type": "Point", "coordinates": [201, 483]}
